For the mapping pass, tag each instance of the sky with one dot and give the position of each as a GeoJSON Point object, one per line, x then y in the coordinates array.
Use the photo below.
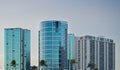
{"type": "Point", "coordinates": [84, 17]}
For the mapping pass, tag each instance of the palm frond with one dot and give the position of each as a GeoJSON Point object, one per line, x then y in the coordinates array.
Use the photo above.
{"type": "Point", "coordinates": [13, 63]}
{"type": "Point", "coordinates": [43, 63]}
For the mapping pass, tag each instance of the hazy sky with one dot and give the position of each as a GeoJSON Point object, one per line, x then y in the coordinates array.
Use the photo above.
{"type": "Point", "coordinates": [84, 17]}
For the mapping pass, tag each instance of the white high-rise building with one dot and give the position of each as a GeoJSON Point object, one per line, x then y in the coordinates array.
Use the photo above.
{"type": "Point", "coordinates": [99, 51]}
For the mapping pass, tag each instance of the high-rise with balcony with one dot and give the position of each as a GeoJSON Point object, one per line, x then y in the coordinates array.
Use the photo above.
{"type": "Point", "coordinates": [98, 51]}
{"type": "Point", "coordinates": [53, 44]}
{"type": "Point", "coordinates": [16, 49]}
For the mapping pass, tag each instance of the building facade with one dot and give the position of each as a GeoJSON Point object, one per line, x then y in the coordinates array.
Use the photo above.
{"type": "Point", "coordinates": [16, 49]}
{"type": "Point", "coordinates": [53, 44]}
{"type": "Point", "coordinates": [71, 45]}
{"type": "Point", "coordinates": [71, 50]}
{"type": "Point", "coordinates": [96, 50]}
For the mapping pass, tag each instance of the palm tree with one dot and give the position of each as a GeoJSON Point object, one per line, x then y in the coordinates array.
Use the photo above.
{"type": "Point", "coordinates": [13, 63]}
{"type": "Point", "coordinates": [43, 63]}
{"type": "Point", "coordinates": [34, 67]}
{"type": "Point", "coordinates": [92, 66]}
{"type": "Point", "coordinates": [95, 68]}
{"type": "Point", "coordinates": [72, 61]}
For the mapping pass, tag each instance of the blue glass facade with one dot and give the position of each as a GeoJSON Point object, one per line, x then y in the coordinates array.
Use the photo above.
{"type": "Point", "coordinates": [71, 46]}
{"type": "Point", "coordinates": [17, 47]}
{"type": "Point", "coordinates": [53, 44]}
{"type": "Point", "coordinates": [71, 49]}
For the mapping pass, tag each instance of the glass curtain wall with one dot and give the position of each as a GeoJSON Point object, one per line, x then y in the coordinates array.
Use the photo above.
{"type": "Point", "coordinates": [16, 49]}
{"type": "Point", "coordinates": [53, 44]}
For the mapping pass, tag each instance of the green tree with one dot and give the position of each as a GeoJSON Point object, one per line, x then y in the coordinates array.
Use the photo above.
{"type": "Point", "coordinates": [95, 68]}
{"type": "Point", "coordinates": [34, 67]}
{"type": "Point", "coordinates": [72, 62]}
{"type": "Point", "coordinates": [92, 66]}
{"type": "Point", "coordinates": [13, 64]}
{"type": "Point", "coordinates": [43, 63]}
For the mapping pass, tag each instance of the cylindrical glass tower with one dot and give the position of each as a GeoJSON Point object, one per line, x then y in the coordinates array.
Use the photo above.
{"type": "Point", "coordinates": [53, 44]}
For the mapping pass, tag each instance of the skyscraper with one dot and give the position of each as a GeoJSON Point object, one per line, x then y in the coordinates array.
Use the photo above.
{"type": "Point", "coordinates": [71, 50]}
{"type": "Point", "coordinates": [16, 49]}
{"type": "Point", "coordinates": [98, 51]}
{"type": "Point", "coordinates": [53, 44]}
{"type": "Point", "coordinates": [71, 45]}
